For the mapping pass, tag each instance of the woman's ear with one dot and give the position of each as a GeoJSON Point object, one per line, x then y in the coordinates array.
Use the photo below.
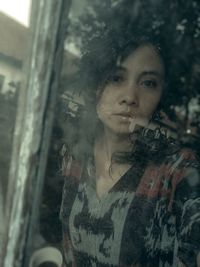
{"type": "Point", "coordinates": [98, 94]}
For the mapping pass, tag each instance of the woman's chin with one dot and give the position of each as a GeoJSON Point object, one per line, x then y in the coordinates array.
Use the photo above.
{"type": "Point", "coordinates": [122, 131]}
{"type": "Point", "coordinates": [138, 122]}
{"type": "Point", "coordinates": [125, 128]}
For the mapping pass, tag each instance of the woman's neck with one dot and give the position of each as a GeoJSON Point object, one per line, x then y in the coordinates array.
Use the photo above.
{"type": "Point", "coordinates": [109, 143]}
{"type": "Point", "coordinates": [107, 172]}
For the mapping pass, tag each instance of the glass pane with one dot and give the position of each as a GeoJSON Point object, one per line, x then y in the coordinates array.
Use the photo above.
{"type": "Point", "coordinates": [126, 136]}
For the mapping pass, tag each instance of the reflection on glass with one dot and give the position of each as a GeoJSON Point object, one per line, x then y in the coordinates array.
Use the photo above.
{"type": "Point", "coordinates": [127, 137]}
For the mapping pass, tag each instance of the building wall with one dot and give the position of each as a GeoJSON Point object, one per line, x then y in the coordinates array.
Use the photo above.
{"type": "Point", "coordinates": [13, 37]}
{"type": "Point", "coordinates": [12, 73]}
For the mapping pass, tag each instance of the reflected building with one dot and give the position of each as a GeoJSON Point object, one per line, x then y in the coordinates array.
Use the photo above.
{"type": "Point", "coordinates": [12, 53]}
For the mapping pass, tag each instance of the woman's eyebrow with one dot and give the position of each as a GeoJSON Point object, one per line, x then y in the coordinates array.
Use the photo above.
{"type": "Point", "coordinates": [120, 68]}
{"type": "Point", "coordinates": [152, 72]}
{"type": "Point", "coordinates": [143, 73]}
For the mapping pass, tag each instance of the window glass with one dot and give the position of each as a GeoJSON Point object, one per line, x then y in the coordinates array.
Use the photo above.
{"type": "Point", "coordinates": [125, 141]}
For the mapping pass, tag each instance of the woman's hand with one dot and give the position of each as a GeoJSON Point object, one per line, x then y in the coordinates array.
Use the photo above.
{"type": "Point", "coordinates": [198, 260]}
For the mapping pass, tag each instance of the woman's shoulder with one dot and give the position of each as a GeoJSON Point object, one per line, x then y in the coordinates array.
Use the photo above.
{"type": "Point", "coordinates": [71, 170]}
{"type": "Point", "coordinates": [70, 167]}
{"type": "Point", "coordinates": [176, 165]}
{"type": "Point", "coordinates": [183, 158]}
{"type": "Point", "coordinates": [183, 167]}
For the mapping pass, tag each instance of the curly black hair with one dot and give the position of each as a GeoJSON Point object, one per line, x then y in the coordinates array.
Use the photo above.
{"type": "Point", "coordinates": [114, 39]}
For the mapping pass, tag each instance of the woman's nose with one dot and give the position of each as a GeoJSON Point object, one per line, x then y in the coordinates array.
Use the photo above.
{"type": "Point", "coordinates": [130, 95]}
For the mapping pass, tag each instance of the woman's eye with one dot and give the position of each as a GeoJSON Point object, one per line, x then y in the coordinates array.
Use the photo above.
{"type": "Point", "coordinates": [116, 78]}
{"type": "Point", "coordinates": [149, 83]}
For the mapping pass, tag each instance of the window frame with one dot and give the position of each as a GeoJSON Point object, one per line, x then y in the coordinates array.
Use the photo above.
{"type": "Point", "coordinates": [36, 103]}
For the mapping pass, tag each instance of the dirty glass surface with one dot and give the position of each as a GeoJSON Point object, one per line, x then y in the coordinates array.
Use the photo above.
{"type": "Point", "coordinates": [129, 223]}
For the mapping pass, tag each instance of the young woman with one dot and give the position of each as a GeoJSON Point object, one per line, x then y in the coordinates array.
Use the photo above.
{"type": "Point", "coordinates": [131, 196]}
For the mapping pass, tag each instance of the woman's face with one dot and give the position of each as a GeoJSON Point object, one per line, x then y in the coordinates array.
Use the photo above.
{"type": "Point", "coordinates": [133, 92]}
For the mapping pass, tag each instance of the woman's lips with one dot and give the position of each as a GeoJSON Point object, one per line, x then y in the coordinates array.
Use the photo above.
{"type": "Point", "coordinates": [133, 120]}
{"type": "Point", "coordinates": [125, 114]}
{"type": "Point", "coordinates": [124, 117]}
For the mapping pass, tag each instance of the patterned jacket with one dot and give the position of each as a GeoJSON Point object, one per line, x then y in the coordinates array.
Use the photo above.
{"type": "Point", "coordinates": [152, 214]}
